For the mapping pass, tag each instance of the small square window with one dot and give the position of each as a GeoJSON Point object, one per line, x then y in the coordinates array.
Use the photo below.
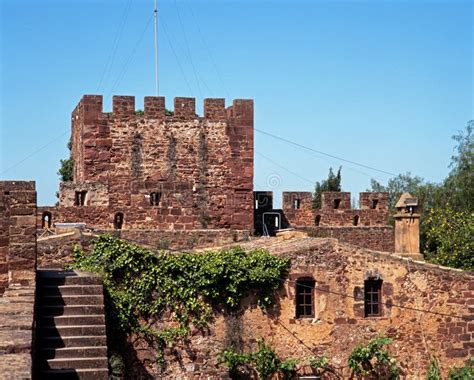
{"type": "Point", "coordinates": [337, 203]}
{"type": "Point", "coordinates": [374, 204]}
{"type": "Point", "coordinates": [80, 198]}
{"type": "Point", "coordinates": [155, 198]}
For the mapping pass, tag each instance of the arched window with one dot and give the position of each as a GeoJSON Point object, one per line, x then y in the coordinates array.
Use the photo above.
{"type": "Point", "coordinates": [155, 198]}
{"type": "Point", "coordinates": [118, 220]}
{"type": "Point", "coordinates": [373, 297]}
{"type": "Point", "coordinates": [305, 298]}
{"type": "Point", "coordinates": [355, 221]}
{"type": "Point", "coordinates": [317, 220]}
{"type": "Point", "coordinates": [46, 220]}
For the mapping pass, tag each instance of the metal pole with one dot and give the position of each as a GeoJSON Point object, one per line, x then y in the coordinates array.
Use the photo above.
{"type": "Point", "coordinates": [156, 47]}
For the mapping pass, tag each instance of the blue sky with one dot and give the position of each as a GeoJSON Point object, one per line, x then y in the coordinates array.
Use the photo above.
{"type": "Point", "coordinates": [383, 83]}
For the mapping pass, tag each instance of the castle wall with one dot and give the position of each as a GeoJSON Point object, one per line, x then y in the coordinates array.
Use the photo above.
{"type": "Point", "coordinates": [336, 210]}
{"type": "Point", "coordinates": [426, 309]}
{"type": "Point", "coordinates": [201, 167]}
{"type": "Point", "coordinates": [17, 277]}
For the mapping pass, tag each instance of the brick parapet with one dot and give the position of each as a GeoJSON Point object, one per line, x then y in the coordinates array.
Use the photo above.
{"type": "Point", "coordinates": [329, 216]}
{"type": "Point", "coordinates": [117, 154]}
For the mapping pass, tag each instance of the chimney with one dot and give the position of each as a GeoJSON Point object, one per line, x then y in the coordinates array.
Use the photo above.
{"type": "Point", "coordinates": [407, 227]}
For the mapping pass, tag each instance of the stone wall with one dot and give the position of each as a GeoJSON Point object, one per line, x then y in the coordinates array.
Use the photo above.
{"type": "Point", "coordinates": [56, 251]}
{"type": "Point", "coordinates": [17, 277]}
{"type": "Point", "coordinates": [335, 209]}
{"type": "Point", "coordinates": [377, 238]}
{"type": "Point", "coordinates": [427, 310]}
{"type": "Point", "coordinates": [199, 168]}
{"type": "Point", "coordinates": [17, 233]}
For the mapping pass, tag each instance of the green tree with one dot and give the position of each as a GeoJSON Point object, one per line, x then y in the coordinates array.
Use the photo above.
{"type": "Point", "coordinates": [67, 166]}
{"type": "Point", "coordinates": [332, 183]}
{"type": "Point", "coordinates": [458, 187]}
{"type": "Point", "coordinates": [449, 237]}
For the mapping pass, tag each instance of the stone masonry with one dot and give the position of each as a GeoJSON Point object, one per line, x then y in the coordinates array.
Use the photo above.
{"type": "Point", "coordinates": [426, 309]}
{"type": "Point", "coordinates": [17, 277]}
{"type": "Point", "coordinates": [151, 170]}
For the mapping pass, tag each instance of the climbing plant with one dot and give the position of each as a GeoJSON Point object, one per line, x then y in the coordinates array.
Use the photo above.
{"type": "Point", "coordinates": [141, 285]}
{"type": "Point", "coordinates": [374, 360]}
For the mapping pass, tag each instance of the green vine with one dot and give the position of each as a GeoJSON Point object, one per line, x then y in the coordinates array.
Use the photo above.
{"type": "Point", "coordinates": [434, 372]}
{"type": "Point", "coordinates": [374, 360]}
{"type": "Point", "coordinates": [464, 373]}
{"type": "Point", "coordinates": [140, 285]}
{"type": "Point", "coordinates": [265, 362]}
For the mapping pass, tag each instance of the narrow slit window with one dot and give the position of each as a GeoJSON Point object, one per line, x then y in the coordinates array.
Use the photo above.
{"type": "Point", "coordinates": [337, 203]}
{"type": "Point", "coordinates": [155, 198]}
{"type": "Point", "coordinates": [46, 220]}
{"type": "Point", "coordinates": [375, 204]}
{"type": "Point", "coordinates": [80, 199]}
{"type": "Point", "coordinates": [297, 204]}
{"type": "Point", "coordinates": [305, 298]}
{"type": "Point", "coordinates": [118, 220]}
{"type": "Point", "coordinates": [317, 220]}
{"type": "Point", "coordinates": [355, 221]}
{"type": "Point", "coordinates": [373, 297]}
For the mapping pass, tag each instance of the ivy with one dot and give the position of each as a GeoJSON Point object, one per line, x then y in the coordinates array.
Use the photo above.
{"type": "Point", "coordinates": [464, 373]}
{"type": "Point", "coordinates": [140, 285]}
{"type": "Point", "coordinates": [434, 372]}
{"type": "Point", "coordinates": [374, 360]}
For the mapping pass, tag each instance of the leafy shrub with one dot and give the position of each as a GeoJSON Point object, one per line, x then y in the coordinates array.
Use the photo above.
{"type": "Point", "coordinates": [464, 373]}
{"type": "Point", "coordinates": [373, 359]}
{"type": "Point", "coordinates": [141, 285]}
{"type": "Point", "coordinates": [434, 372]}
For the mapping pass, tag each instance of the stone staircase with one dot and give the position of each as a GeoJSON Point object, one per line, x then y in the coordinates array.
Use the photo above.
{"type": "Point", "coordinates": [71, 340]}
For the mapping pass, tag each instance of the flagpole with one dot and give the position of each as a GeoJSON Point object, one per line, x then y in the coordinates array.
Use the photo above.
{"type": "Point", "coordinates": [156, 48]}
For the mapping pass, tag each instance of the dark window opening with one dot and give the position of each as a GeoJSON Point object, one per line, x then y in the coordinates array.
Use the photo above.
{"type": "Point", "coordinates": [305, 298]}
{"type": "Point", "coordinates": [46, 220]}
{"type": "Point", "coordinates": [118, 221]}
{"type": "Point", "coordinates": [374, 204]}
{"type": "Point", "coordinates": [155, 198]}
{"type": "Point", "coordinates": [355, 221]}
{"type": "Point", "coordinates": [337, 203]}
{"type": "Point", "coordinates": [80, 199]}
{"type": "Point", "coordinates": [297, 204]}
{"type": "Point", "coordinates": [373, 297]}
{"type": "Point", "coordinates": [317, 220]}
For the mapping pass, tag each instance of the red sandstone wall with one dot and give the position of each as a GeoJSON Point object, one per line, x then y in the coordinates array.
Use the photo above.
{"type": "Point", "coordinates": [339, 323]}
{"type": "Point", "coordinates": [377, 238]}
{"type": "Point", "coordinates": [306, 216]}
{"type": "Point", "coordinates": [203, 166]}
{"type": "Point", "coordinates": [17, 233]}
{"type": "Point", "coordinates": [55, 251]}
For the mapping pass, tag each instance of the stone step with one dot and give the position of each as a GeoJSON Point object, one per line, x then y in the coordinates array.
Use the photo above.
{"type": "Point", "coordinates": [73, 352]}
{"type": "Point", "coordinates": [52, 310]}
{"type": "Point", "coordinates": [76, 363]}
{"type": "Point", "coordinates": [73, 341]}
{"type": "Point", "coordinates": [72, 300]}
{"type": "Point", "coordinates": [68, 290]}
{"type": "Point", "coordinates": [72, 320]}
{"type": "Point", "coordinates": [69, 280]}
{"type": "Point", "coordinates": [72, 374]}
{"type": "Point", "coordinates": [52, 331]}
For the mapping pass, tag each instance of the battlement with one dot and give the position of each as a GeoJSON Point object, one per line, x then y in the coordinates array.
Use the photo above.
{"type": "Point", "coordinates": [335, 200]}
{"type": "Point", "coordinates": [90, 108]}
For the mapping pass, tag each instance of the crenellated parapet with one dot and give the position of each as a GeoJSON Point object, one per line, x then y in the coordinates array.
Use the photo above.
{"type": "Point", "coordinates": [90, 108]}
{"type": "Point", "coordinates": [207, 159]}
{"type": "Point", "coordinates": [336, 209]}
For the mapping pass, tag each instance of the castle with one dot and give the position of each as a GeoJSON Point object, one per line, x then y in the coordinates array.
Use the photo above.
{"type": "Point", "coordinates": [176, 171]}
{"type": "Point", "coordinates": [154, 177]}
